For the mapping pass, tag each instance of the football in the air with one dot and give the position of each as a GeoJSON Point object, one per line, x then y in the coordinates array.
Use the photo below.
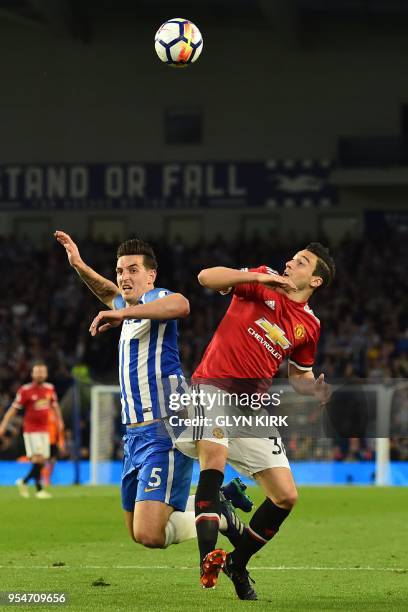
{"type": "Point", "coordinates": [178, 42]}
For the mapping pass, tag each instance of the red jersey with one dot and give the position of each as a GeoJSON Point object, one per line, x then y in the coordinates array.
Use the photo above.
{"type": "Point", "coordinates": [260, 328]}
{"type": "Point", "coordinates": [37, 400]}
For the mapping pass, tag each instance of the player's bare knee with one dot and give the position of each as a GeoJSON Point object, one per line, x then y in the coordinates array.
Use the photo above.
{"type": "Point", "coordinates": [212, 456]}
{"type": "Point", "coordinates": [215, 463]}
{"type": "Point", "coordinates": [286, 499]}
{"type": "Point", "coordinates": [292, 498]}
{"type": "Point", "coordinates": [150, 538]}
{"type": "Point", "coordinates": [153, 540]}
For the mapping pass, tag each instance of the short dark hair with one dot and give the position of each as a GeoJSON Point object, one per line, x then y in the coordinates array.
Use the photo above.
{"type": "Point", "coordinates": [325, 266]}
{"type": "Point", "coordinates": [134, 246]}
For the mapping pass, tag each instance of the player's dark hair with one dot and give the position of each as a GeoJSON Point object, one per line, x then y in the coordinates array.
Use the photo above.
{"type": "Point", "coordinates": [325, 266]}
{"type": "Point", "coordinates": [134, 246]}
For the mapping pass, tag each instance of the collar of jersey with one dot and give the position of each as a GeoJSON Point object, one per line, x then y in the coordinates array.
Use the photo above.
{"type": "Point", "coordinates": [143, 297]}
{"type": "Point", "coordinates": [302, 304]}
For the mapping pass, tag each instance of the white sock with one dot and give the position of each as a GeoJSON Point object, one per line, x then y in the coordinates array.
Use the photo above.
{"type": "Point", "coordinates": [180, 527]}
{"type": "Point", "coordinates": [223, 523]}
{"type": "Point", "coordinates": [190, 507]}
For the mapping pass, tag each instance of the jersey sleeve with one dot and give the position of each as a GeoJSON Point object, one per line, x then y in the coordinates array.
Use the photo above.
{"type": "Point", "coordinates": [253, 290]}
{"type": "Point", "coordinates": [156, 294]}
{"type": "Point", "coordinates": [150, 296]}
{"type": "Point", "coordinates": [303, 356]}
{"type": "Point", "coordinates": [118, 302]}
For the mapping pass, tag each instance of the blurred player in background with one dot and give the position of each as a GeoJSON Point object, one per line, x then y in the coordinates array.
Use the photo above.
{"type": "Point", "coordinates": [156, 477]}
{"type": "Point", "coordinates": [57, 445]}
{"type": "Point", "coordinates": [37, 399]}
{"type": "Point", "coordinates": [268, 319]}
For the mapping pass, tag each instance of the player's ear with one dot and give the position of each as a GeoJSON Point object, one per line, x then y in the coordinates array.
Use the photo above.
{"type": "Point", "coordinates": [316, 281]}
{"type": "Point", "coordinates": [152, 275]}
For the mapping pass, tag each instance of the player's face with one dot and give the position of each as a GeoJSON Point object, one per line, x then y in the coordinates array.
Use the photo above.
{"type": "Point", "coordinates": [133, 278]}
{"type": "Point", "coordinates": [300, 270]}
{"type": "Point", "coordinates": [39, 374]}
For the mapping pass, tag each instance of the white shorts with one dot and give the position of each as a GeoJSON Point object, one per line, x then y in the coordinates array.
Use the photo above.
{"type": "Point", "coordinates": [251, 447]}
{"type": "Point", "coordinates": [37, 443]}
{"type": "Point", "coordinates": [247, 455]}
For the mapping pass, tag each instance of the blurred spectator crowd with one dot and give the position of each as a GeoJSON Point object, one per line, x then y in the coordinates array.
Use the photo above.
{"type": "Point", "coordinates": [45, 312]}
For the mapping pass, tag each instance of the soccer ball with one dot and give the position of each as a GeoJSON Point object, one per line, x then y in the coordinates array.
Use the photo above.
{"type": "Point", "coordinates": [178, 42]}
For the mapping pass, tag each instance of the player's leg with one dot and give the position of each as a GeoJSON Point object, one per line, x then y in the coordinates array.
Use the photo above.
{"type": "Point", "coordinates": [36, 449]}
{"type": "Point", "coordinates": [165, 477]}
{"type": "Point", "coordinates": [149, 523]}
{"type": "Point", "coordinates": [158, 525]}
{"type": "Point", "coordinates": [212, 457]}
{"type": "Point", "coordinates": [232, 496]}
{"type": "Point", "coordinates": [211, 447]}
{"type": "Point", "coordinates": [145, 520]}
{"type": "Point", "coordinates": [209, 509]}
{"type": "Point", "coordinates": [40, 462]}
{"type": "Point", "coordinates": [34, 468]}
{"type": "Point", "coordinates": [42, 445]}
{"type": "Point", "coordinates": [154, 499]}
{"type": "Point", "coordinates": [128, 492]}
{"type": "Point", "coordinates": [48, 469]}
{"type": "Point", "coordinates": [281, 496]}
{"type": "Point", "coordinates": [265, 460]}
{"type": "Point", "coordinates": [22, 482]}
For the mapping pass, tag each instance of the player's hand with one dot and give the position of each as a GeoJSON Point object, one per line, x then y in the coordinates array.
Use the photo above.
{"type": "Point", "coordinates": [106, 319]}
{"type": "Point", "coordinates": [70, 247]}
{"type": "Point", "coordinates": [322, 390]}
{"type": "Point", "coordinates": [274, 280]}
{"type": "Point", "coordinates": [2, 431]}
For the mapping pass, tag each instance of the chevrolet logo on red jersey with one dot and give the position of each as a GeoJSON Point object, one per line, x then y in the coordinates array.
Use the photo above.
{"type": "Point", "coordinates": [274, 333]}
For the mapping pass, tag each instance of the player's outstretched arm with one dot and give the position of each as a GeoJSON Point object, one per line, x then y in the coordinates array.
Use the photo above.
{"type": "Point", "coordinates": [305, 383]}
{"type": "Point", "coordinates": [102, 287]}
{"type": "Point", "coordinates": [174, 306]}
{"type": "Point", "coordinates": [223, 279]}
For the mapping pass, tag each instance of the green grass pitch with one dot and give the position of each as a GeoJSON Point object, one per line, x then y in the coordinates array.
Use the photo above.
{"type": "Point", "coordinates": [342, 549]}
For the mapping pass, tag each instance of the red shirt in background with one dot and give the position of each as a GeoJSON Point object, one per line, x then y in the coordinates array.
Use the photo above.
{"type": "Point", "coordinates": [37, 400]}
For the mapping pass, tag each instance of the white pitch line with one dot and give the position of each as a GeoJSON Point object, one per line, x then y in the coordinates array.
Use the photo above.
{"type": "Point", "coordinates": [183, 568]}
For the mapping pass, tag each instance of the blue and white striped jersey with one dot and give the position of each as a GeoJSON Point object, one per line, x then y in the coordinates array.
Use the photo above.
{"type": "Point", "coordinates": [149, 364]}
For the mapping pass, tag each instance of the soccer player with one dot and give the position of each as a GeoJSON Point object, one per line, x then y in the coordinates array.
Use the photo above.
{"type": "Point", "coordinates": [268, 319]}
{"type": "Point", "coordinates": [37, 399]}
{"type": "Point", "coordinates": [156, 477]}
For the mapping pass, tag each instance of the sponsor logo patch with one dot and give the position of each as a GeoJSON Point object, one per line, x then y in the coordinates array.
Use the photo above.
{"type": "Point", "coordinates": [274, 333]}
{"type": "Point", "coordinates": [300, 331]}
{"type": "Point", "coordinates": [218, 433]}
